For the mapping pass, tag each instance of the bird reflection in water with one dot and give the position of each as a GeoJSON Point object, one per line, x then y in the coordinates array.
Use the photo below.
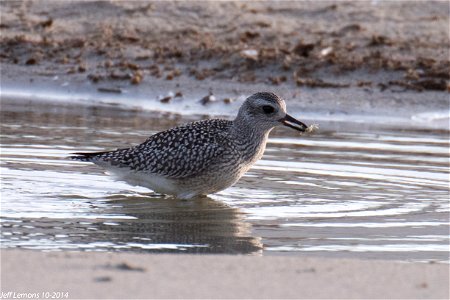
{"type": "Point", "coordinates": [154, 223]}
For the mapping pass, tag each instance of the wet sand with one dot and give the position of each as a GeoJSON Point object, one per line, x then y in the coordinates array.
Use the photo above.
{"type": "Point", "coordinates": [124, 275]}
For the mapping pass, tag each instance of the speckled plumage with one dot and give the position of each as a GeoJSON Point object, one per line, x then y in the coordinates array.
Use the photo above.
{"type": "Point", "coordinates": [197, 158]}
{"type": "Point", "coordinates": [175, 153]}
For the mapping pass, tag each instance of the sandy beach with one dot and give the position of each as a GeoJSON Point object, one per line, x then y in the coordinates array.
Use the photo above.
{"type": "Point", "coordinates": [371, 62]}
{"type": "Point", "coordinates": [125, 275]}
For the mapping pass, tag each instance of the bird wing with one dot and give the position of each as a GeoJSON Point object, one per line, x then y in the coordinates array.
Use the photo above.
{"type": "Point", "coordinates": [176, 153]}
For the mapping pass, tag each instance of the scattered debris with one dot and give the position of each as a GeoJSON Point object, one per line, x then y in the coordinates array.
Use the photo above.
{"type": "Point", "coordinates": [108, 64]}
{"type": "Point", "coordinates": [46, 23]}
{"type": "Point", "coordinates": [131, 38]}
{"type": "Point", "coordinates": [155, 71]}
{"type": "Point", "coordinates": [306, 270]}
{"type": "Point", "coordinates": [103, 279]}
{"type": "Point", "coordinates": [174, 73]}
{"type": "Point", "coordinates": [248, 35]}
{"type": "Point", "coordinates": [201, 74]}
{"type": "Point", "coordinates": [423, 285]}
{"type": "Point", "coordinates": [251, 54]}
{"type": "Point", "coordinates": [120, 75]}
{"type": "Point", "coordinates": [442, 72]}
{"type": "Point", "coordinates": [278, 79]}
{"type": "Point", "coordinates": [364, 83]}
{"type": "Point", "coordinates": [425, 62]}
{"type": "Point", "coordinates": [326, 51]}
{"type": "Point", "coordinates": [228, 100]}
{"type": "Point", "coordinates": [31, 61]}
{"type": "Point", "coordinates": [412, 74]}
{"type": "Point", "coordinates": [314, 83]}
{"type": "Point", "coordinates": [82, 68]}
{"type": "Point", "coordinates": [382, 86]}
{"type": "Point", "coordinates": [126, 267]}
{"type": "Point", "coordinates": [109, 90]}
{"type": "Point", "coordinates": [208, 99]}
{"type": "Point", "coordinates": [141, 9]}
{"type": "Point", "coordinates": [168, 98]}
{"type": "Point", "coordinates": [131, 66]}
{"type": "Point", "coordinates": [76, 43]}
{"type": "Point", "coordinates": [94, 77]}
{"type": "Point", "coordinates": [346, 29]}
{"type": "Point", "coordinates": [380, 40]}
{"type": "Point", "coordinates": [143, 57]}
{"type": "Point", "coordinates": [302, 49]}
{"type": "Point", "coordinates": [263, 24]}
{"type": "Point", "coordinates": [122, 267]}
{"type": "Point", "coordinates": [247, 77]}
{"type": "Point", "coordinates": [432, 84]}
{"type": "Point", "coordinates": [178, 94]}
{"type": "Point", "coordinates": [165, 99]}
{"type": "Point", "coordinates": [421, 85]}
{"type": "Point", "coordinates": [137, 77]}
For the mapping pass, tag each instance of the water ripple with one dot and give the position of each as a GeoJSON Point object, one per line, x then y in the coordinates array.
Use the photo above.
{"type": "Point", "coordinates": [378, 194]}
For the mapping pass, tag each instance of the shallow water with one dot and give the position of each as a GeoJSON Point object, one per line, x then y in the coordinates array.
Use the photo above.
{"type": "Point", "coordinates": [344, 191]}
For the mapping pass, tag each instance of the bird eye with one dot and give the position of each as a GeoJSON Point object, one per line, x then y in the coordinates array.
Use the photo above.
{"type": "Point", "coordinates": [268, 109]}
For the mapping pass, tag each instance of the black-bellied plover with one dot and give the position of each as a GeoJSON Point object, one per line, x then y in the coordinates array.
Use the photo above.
{"type": "Point", "coordinates": [202, 157]}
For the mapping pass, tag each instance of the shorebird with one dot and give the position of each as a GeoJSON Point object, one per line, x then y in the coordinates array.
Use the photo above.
{"type": "Point", "coordinates": [202, 157]}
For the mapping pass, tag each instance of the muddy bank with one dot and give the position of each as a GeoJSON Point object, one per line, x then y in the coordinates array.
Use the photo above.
{"type": "Point", "coordinates": [365, 45]}
{"type": "Point", "coordinates": [302, 43]}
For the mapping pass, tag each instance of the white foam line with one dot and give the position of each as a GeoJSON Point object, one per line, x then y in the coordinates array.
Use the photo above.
{"type": "Point", "coordinates": [372, 173]}
{"type": "Point", "coordinates": [368, 225]}
{"type": "Point", "coordinates": [372, 146]}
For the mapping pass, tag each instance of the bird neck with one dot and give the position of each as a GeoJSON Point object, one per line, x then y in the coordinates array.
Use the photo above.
{"type": "Point", "coordinates": [244, 128]}
{"type": "Point", "coordinates": [250, 138]}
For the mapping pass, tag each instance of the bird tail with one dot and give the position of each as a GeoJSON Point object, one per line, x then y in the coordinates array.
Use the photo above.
{"type": "Point", "coordinates": [84, 156]}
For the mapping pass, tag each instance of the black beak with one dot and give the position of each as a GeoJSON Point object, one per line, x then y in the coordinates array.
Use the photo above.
{"type": "Point", "coordinates": [293, 123]}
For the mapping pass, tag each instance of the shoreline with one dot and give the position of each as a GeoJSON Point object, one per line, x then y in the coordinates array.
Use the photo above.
{"type": "Point", "coordinates": [381, 109]}
{"type": "Point", "coordinates": [96, 275]}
